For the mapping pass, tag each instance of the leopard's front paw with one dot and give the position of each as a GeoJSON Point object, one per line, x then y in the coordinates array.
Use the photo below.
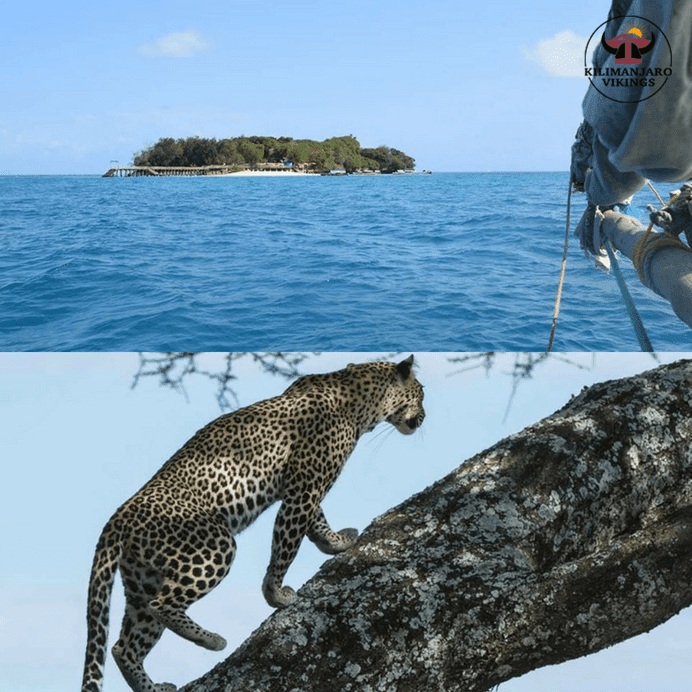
{"type": "Point", "coordinates": [335, 542]}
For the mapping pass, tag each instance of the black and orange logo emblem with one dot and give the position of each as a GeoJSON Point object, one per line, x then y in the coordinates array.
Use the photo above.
{"type": "Point", "coordinates": [629, 47]}
{"type": "Point", "coordinates": [642, 61]}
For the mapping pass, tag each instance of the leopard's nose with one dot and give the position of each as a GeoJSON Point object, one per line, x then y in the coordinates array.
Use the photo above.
{"type": "Point", "coordinates": [416, 421]}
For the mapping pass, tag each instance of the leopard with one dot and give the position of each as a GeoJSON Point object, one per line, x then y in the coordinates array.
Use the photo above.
{"type": "Point", "coordinates": [173, 541]}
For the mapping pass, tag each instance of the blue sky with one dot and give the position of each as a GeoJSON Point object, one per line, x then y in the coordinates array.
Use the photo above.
{"type": "Point", "coordinates": [461, 86]}
{"type": "Point", "coordinates": [76, 441]}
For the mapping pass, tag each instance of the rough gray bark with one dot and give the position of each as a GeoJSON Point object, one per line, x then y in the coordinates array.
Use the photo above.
{"type": "Point", "coordinates": [566, 538]}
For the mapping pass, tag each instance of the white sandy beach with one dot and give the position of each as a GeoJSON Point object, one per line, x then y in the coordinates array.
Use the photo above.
{"type": "Point", "coordinates": [269, 174]}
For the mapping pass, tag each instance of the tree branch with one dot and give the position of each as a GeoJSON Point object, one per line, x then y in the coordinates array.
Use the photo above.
{"type": "Point", "coordinates": [173, 368]}
{"type": "Point", "coordinates": [559, 541]}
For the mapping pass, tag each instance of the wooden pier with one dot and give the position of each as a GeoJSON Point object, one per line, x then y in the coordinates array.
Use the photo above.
{"type": "Point", "coordinates": [133, 171]}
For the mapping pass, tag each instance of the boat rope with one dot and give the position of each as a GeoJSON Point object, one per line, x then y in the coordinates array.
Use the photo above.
{"type": "Point", "coordinates": [646, 246]}
{"type": "Point", "coordinates": [650, 243]}
{"type": "Point", "coordinates": [636, 320]}
{"type": "Point", "coordinates": [658, 197]}
{"type": "Point", "coordinates": [563, 267]}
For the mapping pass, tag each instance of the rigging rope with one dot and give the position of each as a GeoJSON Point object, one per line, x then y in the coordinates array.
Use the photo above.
{"type": "Point", "coordinates": [563, 267]}
{"type": "Point", "coordinates": [637, 323]}
{"type": "Point", "coordinates": [658, 197]}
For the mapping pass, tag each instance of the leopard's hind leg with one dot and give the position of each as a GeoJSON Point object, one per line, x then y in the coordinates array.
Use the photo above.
{"type": "Point", "coordinates": [140, 629]}
{"type": "Point", "coordinates": [188, 579]}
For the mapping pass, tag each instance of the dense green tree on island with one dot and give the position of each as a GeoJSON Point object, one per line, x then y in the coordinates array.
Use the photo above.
{"type": "Point", "coordinates": [389, 160]}
{"type": "Point", "coordinates": [337, 152]}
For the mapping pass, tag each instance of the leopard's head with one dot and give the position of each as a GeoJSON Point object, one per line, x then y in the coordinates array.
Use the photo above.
{"type": "Point", "coordinates": [403, 399]}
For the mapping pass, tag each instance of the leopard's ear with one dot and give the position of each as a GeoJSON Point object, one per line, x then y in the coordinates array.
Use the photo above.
{"type": "Point", "coordinates": [404, 368]}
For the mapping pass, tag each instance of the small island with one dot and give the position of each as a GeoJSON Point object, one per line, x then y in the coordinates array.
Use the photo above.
{"type": "Point", "coordinates": [238, 155]}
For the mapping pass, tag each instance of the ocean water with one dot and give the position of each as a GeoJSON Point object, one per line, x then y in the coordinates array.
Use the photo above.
{"type": "Point", "coordinates": [450, 261]}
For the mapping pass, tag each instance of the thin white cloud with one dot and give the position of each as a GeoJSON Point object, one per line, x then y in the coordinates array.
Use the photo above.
{"type": "Point", "coordinates": [561, 55]}
{"type": "Point", "coordinates": [179, 44]}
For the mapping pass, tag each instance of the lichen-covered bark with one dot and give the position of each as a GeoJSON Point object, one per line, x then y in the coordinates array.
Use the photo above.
{"type": "Point", "coordinates": [559, 541]}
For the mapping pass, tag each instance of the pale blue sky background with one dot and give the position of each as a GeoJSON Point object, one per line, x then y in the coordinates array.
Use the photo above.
{"type": "Point", "coordinates": [76, 441]}
{"type": "Point", "coordinates": [460, 86]}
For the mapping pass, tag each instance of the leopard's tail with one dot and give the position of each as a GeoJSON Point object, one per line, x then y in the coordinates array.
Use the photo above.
{"type": "Point", "coordinates": [98, 606]}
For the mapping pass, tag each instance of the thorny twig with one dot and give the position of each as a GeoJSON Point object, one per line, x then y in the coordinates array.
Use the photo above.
{"type": "Point", "coordinates": [524, 366]}
{"type": "Point", "coordinates": [172, 368]}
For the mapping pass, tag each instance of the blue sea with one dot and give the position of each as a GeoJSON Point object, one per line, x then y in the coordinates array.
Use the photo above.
{"type": "Point", "coordinates": [449, 261]}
